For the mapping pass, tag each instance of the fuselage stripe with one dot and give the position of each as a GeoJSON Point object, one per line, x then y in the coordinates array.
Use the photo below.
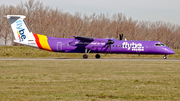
{"type": "Point", "coordinates": [37, 41]}
{"type": "Point", "coordinates": [43, 40]}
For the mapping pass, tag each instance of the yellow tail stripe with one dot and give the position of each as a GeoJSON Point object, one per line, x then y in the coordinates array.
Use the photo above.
{"type": "Point", "coordinates": [44, 42]}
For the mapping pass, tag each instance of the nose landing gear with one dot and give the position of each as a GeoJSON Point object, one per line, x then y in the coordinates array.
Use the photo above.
{"type": "Point", "coordinates": [164, 57]}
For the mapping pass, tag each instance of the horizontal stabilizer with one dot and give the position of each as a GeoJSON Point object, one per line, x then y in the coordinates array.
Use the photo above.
{"type": "Point", "coordinates": [16, 16]}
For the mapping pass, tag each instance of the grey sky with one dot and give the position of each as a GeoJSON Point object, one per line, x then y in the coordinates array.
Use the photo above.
{"type": "Point", "coordinates": [148, 10]}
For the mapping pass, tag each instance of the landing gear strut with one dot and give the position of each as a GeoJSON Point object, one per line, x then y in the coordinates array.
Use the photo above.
{"type": "Point", "coordinates": [97, 56]}
{"type": "Point", "coordinates": [164, 57]}
{"type": "Point", "coordinates": [85, 56]}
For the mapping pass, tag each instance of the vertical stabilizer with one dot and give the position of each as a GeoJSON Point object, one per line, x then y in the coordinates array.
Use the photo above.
{"type": "Point", "coordinates": [21, 32]}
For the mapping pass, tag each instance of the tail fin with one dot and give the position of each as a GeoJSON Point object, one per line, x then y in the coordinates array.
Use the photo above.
{"type": "Point", "coordinates": [21, 32]}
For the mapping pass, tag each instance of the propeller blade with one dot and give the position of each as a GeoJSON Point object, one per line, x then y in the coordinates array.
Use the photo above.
{"type": "Point", "coordinates": [110, 48]}
{"type": "Point", "coordinates": [109, 44]}
{"type": "Point", "coordinates": [120, 36]}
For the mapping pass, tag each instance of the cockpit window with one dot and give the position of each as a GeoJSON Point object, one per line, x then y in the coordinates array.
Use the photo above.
{"type": "Point", "coordinates": [163, 45]}
{"type": "Point", "coordinates": [159, 44]}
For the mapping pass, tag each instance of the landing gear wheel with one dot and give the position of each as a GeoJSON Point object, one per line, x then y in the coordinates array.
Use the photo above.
{"type": "Point", "coordinates": [165, 57]}
{"type": "Point", "coordinates": [85, 56]}
{"type": "Point", "coordinates": [97, 56]}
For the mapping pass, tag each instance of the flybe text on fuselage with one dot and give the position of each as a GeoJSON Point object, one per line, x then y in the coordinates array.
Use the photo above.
{"type": "Point", "coordinates": [133, 46]}
{"type": "Point", "coordinates": [20, 31]}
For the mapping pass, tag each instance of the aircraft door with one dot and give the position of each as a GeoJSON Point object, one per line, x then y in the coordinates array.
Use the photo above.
{"type": "Point", "coordinates": [59, 46]}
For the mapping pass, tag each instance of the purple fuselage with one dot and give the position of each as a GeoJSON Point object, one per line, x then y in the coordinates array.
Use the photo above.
{"type": "Point", "coordinates": [99, 45]}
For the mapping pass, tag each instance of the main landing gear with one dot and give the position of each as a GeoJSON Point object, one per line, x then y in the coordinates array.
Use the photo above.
{"type": "Point", "coordinates": [97, 56]}
{"type": "Point", "coordinates": [85, 56]}
{"type": "Point", "coordinates": [164, 57]}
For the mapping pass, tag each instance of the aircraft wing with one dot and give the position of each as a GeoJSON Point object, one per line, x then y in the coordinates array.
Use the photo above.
{"type": "Point", "coordinates": [83, 38]}
{"type": "Point", "coordinates": [86, 39]}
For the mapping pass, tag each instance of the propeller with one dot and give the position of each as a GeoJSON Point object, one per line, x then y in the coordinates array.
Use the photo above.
{"type": "Point", "coordinates": [109, 44]}
{"type": "Point", "coordinates": [120, 36]}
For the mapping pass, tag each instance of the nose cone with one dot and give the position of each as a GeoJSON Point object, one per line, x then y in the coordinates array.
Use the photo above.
{"type": "Point", "coordinates": [167, 50]}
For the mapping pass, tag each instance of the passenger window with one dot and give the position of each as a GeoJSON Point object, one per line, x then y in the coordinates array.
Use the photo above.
{"type": "Point", "coordinates": [163, 45]}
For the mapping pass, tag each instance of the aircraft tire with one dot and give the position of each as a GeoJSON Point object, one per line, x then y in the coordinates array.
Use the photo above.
{"type": "Point", "coordinates": [85, 56]}
{"type": "Point", "coordinates": [97, 56]}
{"type": "Point", "coordinates": [165, 57]}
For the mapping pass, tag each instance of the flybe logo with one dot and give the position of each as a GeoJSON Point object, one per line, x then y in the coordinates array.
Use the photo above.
{"type": "Point", "coordinates": [20, 31]}
{"type": "Point", "coordinates": [133, 46]}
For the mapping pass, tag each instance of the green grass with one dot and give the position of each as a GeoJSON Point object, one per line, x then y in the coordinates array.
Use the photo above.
{"type": "Point", "coordinates": [91, 80]}
{"type": "Point", "coordinates": [29, 52]}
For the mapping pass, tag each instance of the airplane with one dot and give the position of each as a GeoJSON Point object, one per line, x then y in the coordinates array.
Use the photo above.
{"type": "Point", "coordinates": [80, 44]}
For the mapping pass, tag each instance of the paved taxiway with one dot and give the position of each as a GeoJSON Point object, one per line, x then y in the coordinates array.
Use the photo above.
{"type": "Point", "coordinates": [89, 59]}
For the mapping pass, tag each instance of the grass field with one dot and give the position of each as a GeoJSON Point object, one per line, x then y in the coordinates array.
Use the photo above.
{"type": "Point", "coordinates": [29, 52]}
{"type": "Point", "coordinates": [93, 80]}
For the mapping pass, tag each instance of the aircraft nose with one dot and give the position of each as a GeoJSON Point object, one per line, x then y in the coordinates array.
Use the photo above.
{"type": "Point", "coordinates": [169, 51]}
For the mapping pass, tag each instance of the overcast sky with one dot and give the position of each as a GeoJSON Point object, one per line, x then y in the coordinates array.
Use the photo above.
{"type": "Point", "coordinates": [148, 10]}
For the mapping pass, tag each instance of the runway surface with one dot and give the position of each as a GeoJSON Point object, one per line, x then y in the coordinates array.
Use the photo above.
{"type": "Point", "coordinates": [89, 59]}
